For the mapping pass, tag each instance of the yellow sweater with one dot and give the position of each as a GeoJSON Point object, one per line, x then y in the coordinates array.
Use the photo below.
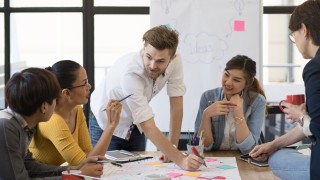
{"type": "Point", "coordinates": [53, 143]}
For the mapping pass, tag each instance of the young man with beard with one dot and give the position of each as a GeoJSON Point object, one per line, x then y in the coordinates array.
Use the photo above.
{"type": "Point", "coordinates": [143, 74]}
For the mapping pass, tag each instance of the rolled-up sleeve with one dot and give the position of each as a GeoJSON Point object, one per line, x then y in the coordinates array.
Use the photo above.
{"type": "Point", "coordinates": [138, 103]}
{"type": "Point", "coordinates": [254, 122]}
{"type": "Point", "coordinates": [175, 85]}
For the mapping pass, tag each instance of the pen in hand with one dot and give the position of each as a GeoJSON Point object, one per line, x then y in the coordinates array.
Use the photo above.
{"type": "Point", "coordinates": [122, 99]}
{"type": "Point", "coordinates": [229, 103]}
{"type": "Point", "coordinates": [195, 152]}
{"type": "Point", "coordinates": [112, 162]}
{"type": "Point", "coordinates": [125, 98]}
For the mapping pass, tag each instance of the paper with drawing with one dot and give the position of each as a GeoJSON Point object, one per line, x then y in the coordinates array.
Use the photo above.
{"type": "Point", "coordinates": [218, 168]}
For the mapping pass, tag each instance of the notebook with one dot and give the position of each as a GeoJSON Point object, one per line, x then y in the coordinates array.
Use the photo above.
{"type": "Point", "coordinates": [123, 156]}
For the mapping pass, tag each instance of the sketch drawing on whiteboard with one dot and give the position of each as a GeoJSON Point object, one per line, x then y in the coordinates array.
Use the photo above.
{"type": "Point", "coordinates": [203, 48]}
{"type": "Point", "coordinates": [166, 5]}
{"type": "Point", "coordinates": [239, 6]}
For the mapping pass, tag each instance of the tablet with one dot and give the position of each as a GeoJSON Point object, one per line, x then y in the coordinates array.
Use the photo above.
{"type": "Point", "coordinates": [245, 157]}
{"type": "Point", "coordinates": [125, 156]}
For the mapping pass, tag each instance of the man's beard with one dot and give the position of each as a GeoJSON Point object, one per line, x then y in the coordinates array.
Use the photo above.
{"type": "Point", "coordinates": [152, 74]}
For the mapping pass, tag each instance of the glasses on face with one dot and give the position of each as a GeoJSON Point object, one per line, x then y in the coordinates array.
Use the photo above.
{"type": "Point", "coordinates": [291, 37]}
{"type": "Point", "coordinates": [84, 84]}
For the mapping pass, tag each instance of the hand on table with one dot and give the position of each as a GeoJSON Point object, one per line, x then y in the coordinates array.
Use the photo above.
{"type": "Point", "coordinates": [263, 151]}
{"type": "Point", "coordinates": [90, 167]}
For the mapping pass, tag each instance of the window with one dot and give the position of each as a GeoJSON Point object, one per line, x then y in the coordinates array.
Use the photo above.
{"type": "Point", "coordinates": [128, 3]}
{"type": "Point", "coordinates": [282, 2]}
{"type": "Point", "coordinates": [45, 3]}
{"type": "Point", "coordinates": [115, 40]}
{"type": "Point", "coordinates": [1, 61]}
{"type": "Point", "coordinates": [40, 40]}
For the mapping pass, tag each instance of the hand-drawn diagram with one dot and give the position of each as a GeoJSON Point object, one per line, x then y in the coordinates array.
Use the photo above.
{"type": "Point", "coordinates": [203, 47]}
{"type": "Point", "coordinates": [239, 6]}
{"type": "Point", "coordinates": [166, 5]}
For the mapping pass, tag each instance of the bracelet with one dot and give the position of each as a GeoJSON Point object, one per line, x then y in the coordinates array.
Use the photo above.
{"type": "Point", "coordinates": [301, 120]}
{"type": "Point", "coordinates": [238, 120]}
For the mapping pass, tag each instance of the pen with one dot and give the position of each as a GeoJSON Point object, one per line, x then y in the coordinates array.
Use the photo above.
{"type": "Point", "coordinates": [125, 97]}
{"type": "Point", "coordinates": [195, 152]}
{"type": "Point", "coordinates": [229, 104]}
{"type": "Point", "coordinates": [112, 162]}
{"type": "Point", "coordinates": [122, 99]}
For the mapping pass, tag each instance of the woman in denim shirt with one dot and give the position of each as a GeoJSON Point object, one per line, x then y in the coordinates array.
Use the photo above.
{"type": "Point", "coordinates": [231, 116]}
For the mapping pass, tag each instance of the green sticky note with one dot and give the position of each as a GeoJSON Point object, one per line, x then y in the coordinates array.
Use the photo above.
{"type": "Point", "coordinates": [226, 166]}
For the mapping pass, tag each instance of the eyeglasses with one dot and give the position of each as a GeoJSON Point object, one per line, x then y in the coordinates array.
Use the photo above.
{"type": "Point", "coordinates": [291, 37]}
{"type": "Point", "coordinates": [84, 84]}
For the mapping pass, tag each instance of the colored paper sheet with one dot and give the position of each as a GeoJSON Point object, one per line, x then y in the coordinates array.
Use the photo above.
{"type": "Point", "coordinates": [154, 163]}
{"type": "Point", "coordinates": [219, 178]}
{"type": "Point", "coordinates": [174, 175]}
{"type": "Point", "coordinates": [192, 174]}
{"type": "Point", "coordinates": [238, 25]}
{"type": "Point", "coordinates": [226, 166]}
{"type": "Point", "coordinates": [211, 159]}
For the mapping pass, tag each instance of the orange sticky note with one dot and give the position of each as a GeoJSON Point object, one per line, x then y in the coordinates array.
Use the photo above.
{"type": "Point", "coordinates": [192, 174]}
{"type": "Point", "coordinates": [155, 163]}
{"type": "Point", "coordinates": [238, 25]}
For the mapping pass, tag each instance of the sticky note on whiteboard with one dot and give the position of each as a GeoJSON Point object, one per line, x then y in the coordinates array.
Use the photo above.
{"type": "Point", "coordinates": [238, 25]}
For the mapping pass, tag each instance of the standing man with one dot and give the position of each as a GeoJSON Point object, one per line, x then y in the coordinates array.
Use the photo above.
{"type": "Point", "coordinates": [143, 74]}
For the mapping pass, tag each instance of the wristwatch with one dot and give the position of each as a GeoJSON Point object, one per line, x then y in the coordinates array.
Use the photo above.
{"type": "Point", "coordinates": [300, 120]}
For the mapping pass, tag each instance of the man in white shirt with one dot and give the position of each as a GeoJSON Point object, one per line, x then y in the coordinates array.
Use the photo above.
{"type": "Point", "coordinates": [143, 74]}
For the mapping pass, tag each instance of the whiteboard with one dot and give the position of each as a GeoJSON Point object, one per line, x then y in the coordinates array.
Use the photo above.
{"type": "Point", "coordinates": [211, 32]}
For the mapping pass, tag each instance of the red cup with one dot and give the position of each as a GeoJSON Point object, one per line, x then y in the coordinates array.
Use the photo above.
{"type": "Point", "coordinates": [70, 176]}
{"type": "Point", "coordinates": [295, 99]}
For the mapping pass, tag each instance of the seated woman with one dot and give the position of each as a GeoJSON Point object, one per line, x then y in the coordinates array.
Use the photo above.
{"type": "Point", "coordinates": [65, 138]}
{"type": "Point", "coordinates": [31, 97]}
{"type": "Point", "coordinates": [232, 115]}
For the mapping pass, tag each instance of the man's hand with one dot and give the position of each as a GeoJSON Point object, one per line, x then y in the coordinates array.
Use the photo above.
{"type": "Point", "coordinates": [191, 162]}
{"type": "Point", "coordinates": [164, 159]}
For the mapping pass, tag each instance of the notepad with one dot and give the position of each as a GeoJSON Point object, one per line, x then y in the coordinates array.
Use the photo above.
{"type": "Point", "coordinates": [123, 156]}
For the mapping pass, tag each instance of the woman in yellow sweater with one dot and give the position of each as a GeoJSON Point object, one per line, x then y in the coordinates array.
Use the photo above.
{"type": "Point", "coordinates": [65, 137]}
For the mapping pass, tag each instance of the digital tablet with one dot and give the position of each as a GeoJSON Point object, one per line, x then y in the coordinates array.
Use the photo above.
{"type": "Point", "coordinates": [125, 156]}
{"type": "Point", "coordinates": [245, 157]}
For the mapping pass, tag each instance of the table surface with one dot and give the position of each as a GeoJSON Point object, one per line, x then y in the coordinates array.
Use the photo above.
{"type": "Point", "coordinates": [246, 170]}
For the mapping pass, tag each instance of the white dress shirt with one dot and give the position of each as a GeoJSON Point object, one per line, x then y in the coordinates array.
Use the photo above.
{"type": "Point", "coordinates": [127, 76]}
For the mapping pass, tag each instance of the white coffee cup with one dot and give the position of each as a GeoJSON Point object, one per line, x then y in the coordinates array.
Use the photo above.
{"type": "Point", "coordinates": [156, 177]}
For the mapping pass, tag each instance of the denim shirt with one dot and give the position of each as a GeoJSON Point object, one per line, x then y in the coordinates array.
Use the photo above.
{"type": "Point", "coordinates": [254, 115]}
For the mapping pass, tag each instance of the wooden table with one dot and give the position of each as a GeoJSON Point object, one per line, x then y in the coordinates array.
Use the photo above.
{"type": "Point", "coordinates": [247, 171]}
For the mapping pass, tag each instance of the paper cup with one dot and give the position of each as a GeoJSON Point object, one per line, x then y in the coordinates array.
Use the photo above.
{"type": "Point", "coordinates": [198, 148]}
{"type": "Point", "coordinates": [156, 177]}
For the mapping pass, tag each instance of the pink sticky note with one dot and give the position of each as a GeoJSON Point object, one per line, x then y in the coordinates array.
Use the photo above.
{"type": "Point", "coordinates": [238, 25]}
{"type": "Point", "coordinates": [211, 159]}
{"type": "Point", "coordinates": [174, 175]}
{"type": "Point", "coordinates": [219, 177]}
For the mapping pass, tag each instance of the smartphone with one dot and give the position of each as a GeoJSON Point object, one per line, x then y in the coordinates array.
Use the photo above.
{"type": "Point", "coordinates": [245, 157]}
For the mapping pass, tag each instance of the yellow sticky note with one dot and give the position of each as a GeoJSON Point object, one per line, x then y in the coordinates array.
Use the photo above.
{"type": "Point", "coordinates": [192, 174]}
{"type": "Point", "coordinates": [155, 163]}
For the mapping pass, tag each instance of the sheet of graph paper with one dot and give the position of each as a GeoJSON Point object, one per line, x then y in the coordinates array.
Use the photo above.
{"type": "Point", "coordinates": [217, 168]}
